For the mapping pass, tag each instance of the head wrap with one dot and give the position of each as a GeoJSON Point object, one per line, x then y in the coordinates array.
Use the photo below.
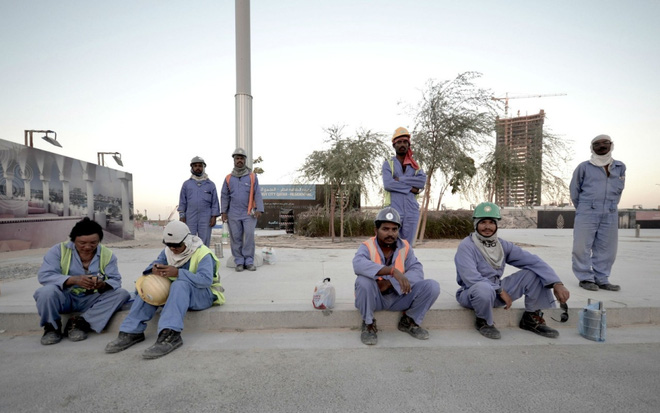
{"type": "Point", "coordinates": [408, 159]}
{"type": "Point", "coordinates": [601, 160]}
{"type": "Point", "coordinates": [490, 247]}
{"type": "Point", "coordinates": [176, 232]}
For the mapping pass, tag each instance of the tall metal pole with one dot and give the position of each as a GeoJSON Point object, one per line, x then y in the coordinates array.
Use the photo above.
{"type": "Point", "coordinates": [243, 80]}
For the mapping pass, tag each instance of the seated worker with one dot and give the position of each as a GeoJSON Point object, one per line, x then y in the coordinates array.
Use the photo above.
{"type": "Point", "coordinates": [389, 277]}
{"type": "Point", "coordinates": [193, 269]}
{"type": "Point", "coordinates": [480, 262]}
{"type": "Point", "coordinates": [79, 275]}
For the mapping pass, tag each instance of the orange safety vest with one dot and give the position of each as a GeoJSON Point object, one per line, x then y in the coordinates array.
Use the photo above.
{"type": "Point", "coordinates": [375, 256]}
{"type": "Point", "coordinates": [251, 203]}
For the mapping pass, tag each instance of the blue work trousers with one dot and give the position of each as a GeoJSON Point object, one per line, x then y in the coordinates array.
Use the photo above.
{"type": "Point", "coordinates": [241, 231]}
{"type": "Point", "coordinates": [595, 243]}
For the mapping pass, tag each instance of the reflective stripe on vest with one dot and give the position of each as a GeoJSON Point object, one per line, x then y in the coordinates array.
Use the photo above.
{"type": "Point", "coordinates": [387, 197]}
{"type": "Point", "coordinates": [65, 263]}
{"type": "Point", "coordinates": [375, 256]}
{"type": "Point", "coordinates": [216, 287]}
{"type": "Point", "coordinates": [251, 203]}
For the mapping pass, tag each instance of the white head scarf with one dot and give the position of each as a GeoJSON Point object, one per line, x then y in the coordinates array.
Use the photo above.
{"type": "Point", "coordinates": [490, 247]}
{"type": "Point", "coordinates": [174, 233]}
{"type": "Point", "coordinates": [601, 160]}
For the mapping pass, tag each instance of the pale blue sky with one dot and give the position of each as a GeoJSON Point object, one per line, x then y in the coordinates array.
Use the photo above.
{"type": "Point", "coordinates": [155, 80]}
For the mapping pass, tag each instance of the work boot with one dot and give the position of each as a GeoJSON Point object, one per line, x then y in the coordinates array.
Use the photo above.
{"type": "Point", "coordinates": [77, 328]}
{"type": "Point", "coordinates": [369, 336]}
{"type": "Point", "coordinates": [240, 268]}
{"type": "Point", "coordinates": [123, 341]}
{"type": "Point", "coordinates": [408, 325]}
{"type": "Point", "coordinates": [52, 335]}
{"type": "Point", "coordinates": [589, 285]}
{"type": "Point", "coordinates": [534, 322]}
{"type": "Point", "coordinates": [486, 330]}
{"type": "Point", "coordinates": [609, 287]}
{"type": "Point", "coordinates": [168, 341]}
{"type": "Point", "coordinates": [251, 267]}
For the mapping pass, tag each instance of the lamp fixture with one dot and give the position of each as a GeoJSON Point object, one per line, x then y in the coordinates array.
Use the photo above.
{"type": "Point", "coordinates": [30, 142]}
{"type": "Point", "coordinates": [100, 156]}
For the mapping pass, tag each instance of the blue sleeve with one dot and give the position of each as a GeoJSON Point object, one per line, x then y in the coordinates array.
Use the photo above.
{"type": "Point", "coordinates": [51, 269]}
{"type": "Point", "coordinates": [224, 197]}
{"type": "Point", "coordinates": [417, 179]}
{"type": "Point", "coordinates": [467, 270]}
{"type": "Point", "coordinates": [257, 195]}
{"type": "Point", "coordinates": [183, 200]}
{"type": "Point", "coordinates": [392, 185]}
{"type": "Point", "coordinates": [362, 264]}
{"type": "Point", "coordinates": [215, 204]}
{"type": "Point", "coordinates": [522, 259]}
{"type": "Point", "coordinates": [162, 259]}
{"type": "Point", "coordinates": [203, 278]}
{"type": "Point", "coordinates": [576, 184]}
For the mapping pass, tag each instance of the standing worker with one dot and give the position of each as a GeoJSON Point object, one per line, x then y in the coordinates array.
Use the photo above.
{"type": "Point", "coordinates": [198, 202]}
{"type": "Point", "coordinates": [596, 190]}
{"type": "Point", "coordinates": [242, 205]}
{"type": "Point", "coordinates": [403, 180]}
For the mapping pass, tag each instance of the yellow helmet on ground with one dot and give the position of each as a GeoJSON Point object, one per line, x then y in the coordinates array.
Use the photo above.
{"type": "Point", "coordinates": [153, 289]}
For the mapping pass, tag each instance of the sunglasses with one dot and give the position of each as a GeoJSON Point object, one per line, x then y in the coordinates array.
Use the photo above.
{"type": "Point", "coordinates": [173, 245]}
{"type": "Point", "coordinates": [564, 315]}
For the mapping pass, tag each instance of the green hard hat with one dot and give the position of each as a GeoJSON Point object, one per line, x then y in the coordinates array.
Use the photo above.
{"type": "Point", "coordinates": [487, 210]}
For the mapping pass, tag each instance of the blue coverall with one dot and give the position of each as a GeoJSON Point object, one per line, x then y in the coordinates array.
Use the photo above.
{"type": "Point", "coordinates": [596, 198]}
{"type": "Point", "coordinates": [479, 281]}
{"type": "Point", "coordinates": [199, 202]}
{"type": "Point", "coordinates": [54, 299]}
{"type": "Point", "coordinates": [368, 297]}
{"type": "Point", "coordinates": [404, 201]}
{"type": "Point", "coordinates": [234, 202]}
{"type": "Point", "coordinates": [190, 291]}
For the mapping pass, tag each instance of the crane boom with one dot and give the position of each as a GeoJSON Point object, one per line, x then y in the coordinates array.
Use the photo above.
{"type": "Point", "coordinates": [507, 97]}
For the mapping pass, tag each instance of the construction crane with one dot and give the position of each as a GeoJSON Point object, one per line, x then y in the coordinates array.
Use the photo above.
{"type": "Point", "coordinates": [507, 97]}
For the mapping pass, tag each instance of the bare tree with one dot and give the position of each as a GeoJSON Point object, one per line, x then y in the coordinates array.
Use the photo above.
{"type": "Point", "coordinates": [346, 168]}
{"type": "Point", "coordinates": [452, 121]}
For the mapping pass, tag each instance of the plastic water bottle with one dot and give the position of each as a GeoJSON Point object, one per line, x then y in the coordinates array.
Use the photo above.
{"type": "Point", "coordinates": [225, 233]}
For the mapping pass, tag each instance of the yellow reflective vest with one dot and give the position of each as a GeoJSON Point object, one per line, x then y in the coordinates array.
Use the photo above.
{"type": "Point", "coordinates": [65, 262]}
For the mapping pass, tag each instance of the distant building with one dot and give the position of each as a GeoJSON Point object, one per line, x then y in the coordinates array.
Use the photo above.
{"type": "Point", "coordinates": [519, 143]}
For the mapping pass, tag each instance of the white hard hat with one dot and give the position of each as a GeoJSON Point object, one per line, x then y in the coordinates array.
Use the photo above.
{"type": "Point", "coordinates": [239, 151]}
{"type": "Point", "coordinates": [153, 289]}
{"type": "Point", "coordinates": [197, 159]}
{"type": "Point", "coordinates": [175, 232]}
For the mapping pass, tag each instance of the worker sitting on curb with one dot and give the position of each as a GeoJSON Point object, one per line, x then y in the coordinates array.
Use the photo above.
{"type": "Point", "coordinates": [193, 269]}
{"type": "Point", "coordinates": [80, 275]}
{"type": "Point", "coordinates": [480, 261]}
{"type": "Point", "coordinates": [389, 277]}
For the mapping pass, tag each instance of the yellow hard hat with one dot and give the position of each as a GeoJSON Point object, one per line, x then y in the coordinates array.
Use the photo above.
{"type": "Point", "coordinates": [153, 289]}
{"type": "Point", "coordinates": [399, 132]}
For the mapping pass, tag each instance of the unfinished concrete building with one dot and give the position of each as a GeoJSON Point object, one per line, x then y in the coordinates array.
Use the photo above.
{"type": "Point", "coordinates": [519, 142]}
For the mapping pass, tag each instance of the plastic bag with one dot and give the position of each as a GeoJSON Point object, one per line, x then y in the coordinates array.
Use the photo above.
{"type": "Point", "coordinates": [324, 295]}
{"type": "Point", "coordinates": [268, 254]}
{"type": "Point", "coordinates": [593, 321]}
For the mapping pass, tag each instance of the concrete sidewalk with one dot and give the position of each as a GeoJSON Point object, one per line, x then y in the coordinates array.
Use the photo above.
{"type": "Point", "coordinates": [279, 296]}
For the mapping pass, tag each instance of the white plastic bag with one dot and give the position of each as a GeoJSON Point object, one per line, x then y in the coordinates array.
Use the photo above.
{"type": "Point", "coordinates": [268, 254]}
{"type": "Point", "coordinates": [324, 295]}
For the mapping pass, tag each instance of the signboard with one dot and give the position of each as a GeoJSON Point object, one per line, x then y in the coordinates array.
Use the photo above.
{"type": "Point", "coordinates": [288, 192]}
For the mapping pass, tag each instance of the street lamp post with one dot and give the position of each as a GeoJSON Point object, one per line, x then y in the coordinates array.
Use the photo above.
{"type": "Point", "coordinates": [100, 158]}
{"type": "Point", "coordinates": [29, 134]}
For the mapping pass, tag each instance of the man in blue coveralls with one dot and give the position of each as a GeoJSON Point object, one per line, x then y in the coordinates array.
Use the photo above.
{"type": "Point", "coordinates": [80, 275]}
{"type": "Point", "coordinates": [198, 202]}
{"type": "Point", "coordinates": [193, 269]}
{"type": "Point", "coordinates": [242, 205]}
{"type": "Point", "coordinates": [403, 180]}
{"type": "Point", "coordinates": [480, 261]}
{"type": "Point", "coordinates": [596, 190]}
{"type": "Point", "coordinates": [389, 277]}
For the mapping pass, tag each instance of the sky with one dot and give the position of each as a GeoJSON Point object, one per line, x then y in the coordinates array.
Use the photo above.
{"type": "Point", "coordinates": [156, 80]}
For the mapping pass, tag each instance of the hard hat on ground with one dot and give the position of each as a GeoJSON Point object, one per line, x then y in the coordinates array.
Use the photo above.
{"type": "Point", "coordinates": [239, 151]}
{"type": "Point", "coordinates": [487, 210]}
{"type": "Point", "coordinates": [153, 289]}
{"type": "Point", "coordinates": [197, 159]}
{"type": "Point", "coordinates": [388, 214]}
{"type": "Point", "coordinates": [175, 232]}
{"type": "Point", "coordinates": [399, 132]}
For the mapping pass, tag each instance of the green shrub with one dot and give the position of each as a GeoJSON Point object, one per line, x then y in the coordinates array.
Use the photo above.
{"type": "Point", "coordinates": [360, 223]}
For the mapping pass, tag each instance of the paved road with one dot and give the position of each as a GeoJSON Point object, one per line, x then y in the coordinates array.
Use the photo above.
{"type": "Point", "coordinates": [331, 371]}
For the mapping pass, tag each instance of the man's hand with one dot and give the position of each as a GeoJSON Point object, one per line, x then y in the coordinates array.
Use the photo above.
{"type": "Point", "coordinates": [383, 285]}
{"type": "Point", "coordinates": [507, 299]}
{"type": "Point", "coordinates": [212, 223]}
{"type": "Point", "coordinates": [257, 214]}
{"type": "Point", "coordinates": [223, 217]}
{"type": "Point", "coordinates": [162, 270]}
{"type": "Point", "coordinates": [87, 282]}
{"type": "Point", "coordinates": [403, 281]}
{"type": "Point", "coordinates": [414, 190]}
{"type": "Point", "coordinates": [561, 292]}
{"type": "Point", "coordinates": [182, 219]}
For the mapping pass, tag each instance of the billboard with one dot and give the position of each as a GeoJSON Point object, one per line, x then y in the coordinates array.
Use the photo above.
{"type": "Point", "coordinates": [43, 194]}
